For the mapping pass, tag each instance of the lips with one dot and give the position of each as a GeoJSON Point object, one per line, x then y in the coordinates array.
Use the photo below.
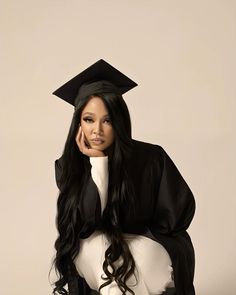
{"type": "Point", "coordinates": [97, 141]}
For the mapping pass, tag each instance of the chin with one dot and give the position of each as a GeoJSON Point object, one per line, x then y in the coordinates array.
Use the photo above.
{"type": "Point", "coordinates": [99, 148]}
{"type": "Point", "coordinates": [102, 147]}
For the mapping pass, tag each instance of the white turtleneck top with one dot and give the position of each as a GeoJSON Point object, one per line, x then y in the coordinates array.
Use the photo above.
{"type": "Point", "coordinates": [99, 172]}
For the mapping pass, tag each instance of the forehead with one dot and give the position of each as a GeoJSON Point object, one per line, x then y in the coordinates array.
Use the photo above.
{"type": "Point", "coordinates": [95, 105]}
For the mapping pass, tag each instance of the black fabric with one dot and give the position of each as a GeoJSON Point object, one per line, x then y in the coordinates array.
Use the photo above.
{"type": "Point", "coordinates": [100, 70]}
{"type": "Point", "coordinates": [165, 208]}
{"type": "Point", "coordinates": [90, 209]}
{"type": "Point", "coordinates": [97, 87]}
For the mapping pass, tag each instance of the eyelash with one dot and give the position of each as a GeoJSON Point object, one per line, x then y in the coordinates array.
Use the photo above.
{"type": "Point", "coordinates": [87, 120]}
{"type": "Point", "coordinates": [90, 120]}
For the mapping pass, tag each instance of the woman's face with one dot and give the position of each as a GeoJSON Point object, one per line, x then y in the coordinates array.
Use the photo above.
{"type": "Point", "coordinates": [96, 125]}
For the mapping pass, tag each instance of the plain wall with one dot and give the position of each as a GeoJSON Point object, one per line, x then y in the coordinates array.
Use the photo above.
{"type": "Point", "coordinates": [182, 55]}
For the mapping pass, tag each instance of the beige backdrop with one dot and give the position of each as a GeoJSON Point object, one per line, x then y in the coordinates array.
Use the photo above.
{"type": "Point", "coordinates": [182, 55]}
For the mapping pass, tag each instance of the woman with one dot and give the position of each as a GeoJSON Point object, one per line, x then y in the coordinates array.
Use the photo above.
{"type": "Point", "coordinates": [123, 207]}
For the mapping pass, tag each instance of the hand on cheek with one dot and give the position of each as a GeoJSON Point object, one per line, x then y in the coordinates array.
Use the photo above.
{"type": "Point", "coordinates": [84, 147]}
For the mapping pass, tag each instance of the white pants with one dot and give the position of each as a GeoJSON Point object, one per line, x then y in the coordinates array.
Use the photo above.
{"type": "Point", "coordinates": [153, 265]}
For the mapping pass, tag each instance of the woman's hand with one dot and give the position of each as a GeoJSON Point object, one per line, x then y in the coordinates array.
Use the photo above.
{"type": "Point", "coordinates": [84, 146]}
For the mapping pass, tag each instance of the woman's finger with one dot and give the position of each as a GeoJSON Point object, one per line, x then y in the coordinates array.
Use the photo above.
{"type": "Point", "coordinates": [78, 138]}
{"type": "Point", "coordinates": [81, 142]}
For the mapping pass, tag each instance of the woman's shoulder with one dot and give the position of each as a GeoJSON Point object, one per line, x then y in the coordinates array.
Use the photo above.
{"type": "Point", "coordinates": [147, 148]}
{"type": "Point", "coordinates": [146, 153]}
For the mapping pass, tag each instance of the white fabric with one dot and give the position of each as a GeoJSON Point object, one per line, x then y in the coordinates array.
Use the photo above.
{"type": "Point", "coordinates": [153, 264]}
{"type": "Point", "coordinates": [99, 172]}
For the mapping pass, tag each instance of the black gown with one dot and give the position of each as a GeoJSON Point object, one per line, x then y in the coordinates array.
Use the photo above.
{"type": "Point", "coordinates": [164, 211]}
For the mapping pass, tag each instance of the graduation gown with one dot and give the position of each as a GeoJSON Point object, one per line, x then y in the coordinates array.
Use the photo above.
{"type": "Point", "coordinates": [164, 211]}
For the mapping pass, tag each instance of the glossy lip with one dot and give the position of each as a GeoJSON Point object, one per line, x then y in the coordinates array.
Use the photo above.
{"type": "Point", "coordinates": [97, 140]}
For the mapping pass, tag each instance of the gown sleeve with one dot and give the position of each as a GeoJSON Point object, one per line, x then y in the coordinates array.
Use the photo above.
{"type": "Point", "coordinates": [173, 212]}
{"type": "Point", "coordinates": [175, 205]}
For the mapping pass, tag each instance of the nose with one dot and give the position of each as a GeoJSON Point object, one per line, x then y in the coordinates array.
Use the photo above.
{"type": "Point", "coordinates": [98, 128]}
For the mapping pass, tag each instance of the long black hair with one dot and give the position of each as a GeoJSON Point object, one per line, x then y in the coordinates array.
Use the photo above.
{"type": "Point", "coordinates": [120, 195]}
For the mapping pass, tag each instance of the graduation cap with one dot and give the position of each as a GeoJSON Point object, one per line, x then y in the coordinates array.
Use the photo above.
{"type": "Point", "coordinates": [100, 77]}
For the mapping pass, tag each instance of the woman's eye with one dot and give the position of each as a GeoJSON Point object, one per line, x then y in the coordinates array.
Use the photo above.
{"type": "Point", "coordinates": [88, 120]}
{"type": "Point", "coordinates": [108, 121]}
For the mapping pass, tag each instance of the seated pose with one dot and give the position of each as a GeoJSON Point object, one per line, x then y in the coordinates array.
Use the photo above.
{"type": "Point", "coordinates": [123, 207]}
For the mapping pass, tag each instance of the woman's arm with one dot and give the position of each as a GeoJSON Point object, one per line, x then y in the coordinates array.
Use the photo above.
{"type": "Point", "coordinates": [174, 202]}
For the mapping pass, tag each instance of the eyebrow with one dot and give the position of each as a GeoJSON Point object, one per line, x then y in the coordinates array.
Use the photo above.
{"type": "Point", "coordinates": [89, 113]}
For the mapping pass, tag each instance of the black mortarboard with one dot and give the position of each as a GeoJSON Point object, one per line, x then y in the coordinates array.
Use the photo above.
{"type": "Point", "coordinates": [100, 77]}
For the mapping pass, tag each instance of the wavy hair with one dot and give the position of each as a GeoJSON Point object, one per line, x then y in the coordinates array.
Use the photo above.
{"type": "Point", "coordinates": [120, 195]}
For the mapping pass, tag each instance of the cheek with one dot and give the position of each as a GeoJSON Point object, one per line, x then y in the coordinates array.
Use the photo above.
{"type": "Point", "coordinates": [111, 135]}
{"type": "Point", "coordinates": [85, 127]}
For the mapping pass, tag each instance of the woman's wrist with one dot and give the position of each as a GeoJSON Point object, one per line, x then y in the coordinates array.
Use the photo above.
{"type": "Point", "coordinates": [98, 154]}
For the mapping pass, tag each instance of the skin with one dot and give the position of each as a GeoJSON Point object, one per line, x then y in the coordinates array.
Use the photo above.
{"type": "Point", "coordinates": [95, 134]}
